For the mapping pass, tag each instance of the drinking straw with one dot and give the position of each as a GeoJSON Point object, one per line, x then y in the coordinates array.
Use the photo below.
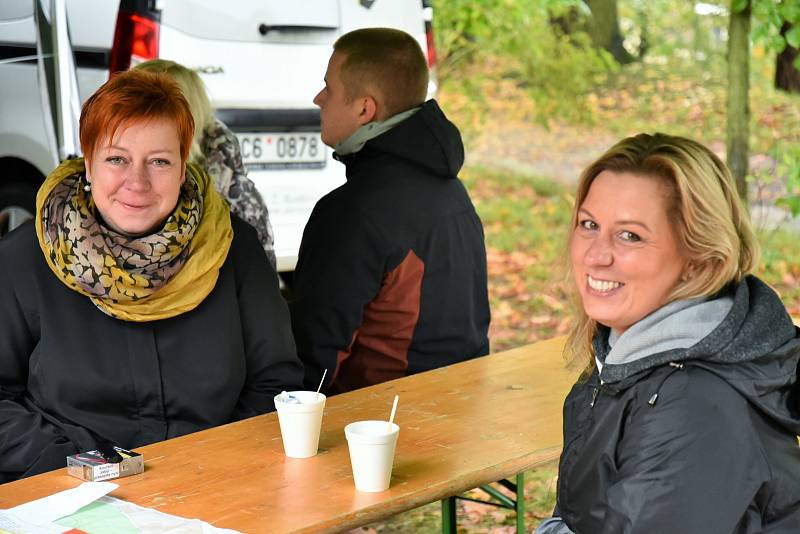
{"type": "Point", "coordinates": [394, 409]}
{"type": "Point", "coordinates": [316, 397]}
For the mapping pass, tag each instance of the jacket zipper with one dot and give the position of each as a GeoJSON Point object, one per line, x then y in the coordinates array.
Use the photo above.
{"type": "Point", "coordinates": [595, 391]}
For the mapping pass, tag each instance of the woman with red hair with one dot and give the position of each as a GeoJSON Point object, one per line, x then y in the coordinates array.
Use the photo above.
{"type": "Point", "coordinates": [108, 299]}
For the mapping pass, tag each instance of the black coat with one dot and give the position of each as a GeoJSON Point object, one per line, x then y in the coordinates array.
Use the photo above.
{"type": "Point", "coordinates": [70, 374]}
{"type": "Point", "coordinates": [697, 440]}
{"type": "Point", "coordinates": [391, 278]}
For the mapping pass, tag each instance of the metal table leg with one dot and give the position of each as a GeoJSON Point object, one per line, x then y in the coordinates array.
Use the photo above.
{"type": "Point", "coordinates": [449, 516]}
{"type": "Point", "coordinates": [501, 500]}
{"type": "Point", "coordinates": [520, 503]}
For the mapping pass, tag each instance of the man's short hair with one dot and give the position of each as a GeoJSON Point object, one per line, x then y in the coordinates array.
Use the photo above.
{"type": "Point", "coordinates": [387, 62]}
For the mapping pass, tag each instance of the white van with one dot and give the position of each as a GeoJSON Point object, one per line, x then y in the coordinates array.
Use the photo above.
{"type": "Point", "coordinates": [263, 61]}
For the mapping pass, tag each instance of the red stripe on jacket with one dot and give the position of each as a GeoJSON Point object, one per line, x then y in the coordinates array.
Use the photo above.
{"type": "Point", "coordinates": [379, 351]}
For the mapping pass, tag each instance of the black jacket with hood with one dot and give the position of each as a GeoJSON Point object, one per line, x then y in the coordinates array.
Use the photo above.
{"type": "Point", "coordinates": [690, 440]}
{"type": "Point", "coordinates": [391, 276]}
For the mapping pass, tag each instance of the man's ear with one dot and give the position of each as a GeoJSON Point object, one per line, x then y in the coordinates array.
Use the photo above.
{"type": "Point", "coordinates": [369, 110]}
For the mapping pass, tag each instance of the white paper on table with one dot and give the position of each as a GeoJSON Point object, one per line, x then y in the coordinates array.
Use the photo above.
{"type": "Point", "coordinates": [10, 523]}
{"type": "Point", "coordinates": [109, 511]}
{"type": "Point", "coordinates": [61, 504]}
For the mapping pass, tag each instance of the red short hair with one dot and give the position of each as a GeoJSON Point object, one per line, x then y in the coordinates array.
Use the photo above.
{"type": "Point", "coordinates": [134, 96]}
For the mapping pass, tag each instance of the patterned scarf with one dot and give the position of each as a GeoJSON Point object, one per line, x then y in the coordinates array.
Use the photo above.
{"type": "Point", "coordinates": [144, 278]}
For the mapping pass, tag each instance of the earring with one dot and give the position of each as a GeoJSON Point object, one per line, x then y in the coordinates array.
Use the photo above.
{"type": "Point", "coordinates": [88, 186]}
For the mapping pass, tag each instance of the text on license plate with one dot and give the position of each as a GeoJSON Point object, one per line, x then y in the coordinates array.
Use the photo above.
{"type": "Point", "coordinates": [282, 150]}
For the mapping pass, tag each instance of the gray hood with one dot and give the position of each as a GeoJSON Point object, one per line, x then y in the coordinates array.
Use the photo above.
{"type": "Point", "coordinates": [678, 325]}
{"type": "Point", "coordinates": [747, 326]}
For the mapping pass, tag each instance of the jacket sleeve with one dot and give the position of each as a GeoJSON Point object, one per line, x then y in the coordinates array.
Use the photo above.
{"type": "Point", "coordinates": [690, 463]}
{"type": "Point", "coordinates": [339, 271]}
{"type": "Point", "coordinates": [272, 362]}
{"type": "Point", "coordinates": [29, 443]}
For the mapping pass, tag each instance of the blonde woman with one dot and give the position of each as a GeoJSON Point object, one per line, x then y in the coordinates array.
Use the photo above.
{"type": "Point", "coordinates": [216, 149]}
{"type": "Point", "coordinates": [686, 417]}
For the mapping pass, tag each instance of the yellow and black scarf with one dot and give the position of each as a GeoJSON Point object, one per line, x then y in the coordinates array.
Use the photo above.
{"type": "Point", "coordinates": [147, 278]}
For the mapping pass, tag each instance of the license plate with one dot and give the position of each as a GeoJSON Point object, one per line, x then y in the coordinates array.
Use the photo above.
{"type": "Point", "coordinates": [282, 150]}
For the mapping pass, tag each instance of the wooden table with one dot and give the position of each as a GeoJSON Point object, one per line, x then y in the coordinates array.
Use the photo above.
{"type": "Point", "coordinates": [460, 426]}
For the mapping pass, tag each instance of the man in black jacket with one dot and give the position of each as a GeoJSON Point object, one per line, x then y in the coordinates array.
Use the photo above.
{"type": "Point", "coordinates": [391, 277]}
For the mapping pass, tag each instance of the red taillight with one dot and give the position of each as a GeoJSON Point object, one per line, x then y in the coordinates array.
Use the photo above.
{"type": "Point", "coordinates": [431, 44]}
{"type": "Point", "coordinates": [145, 38]}
{"type": "Point", "coordinates": [135, 38]}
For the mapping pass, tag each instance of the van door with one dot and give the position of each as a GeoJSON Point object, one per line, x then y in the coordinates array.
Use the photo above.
{"type": "Point", "coordinates": [58, 82]}
{"type": "Point", "coordinates": [252, 54]}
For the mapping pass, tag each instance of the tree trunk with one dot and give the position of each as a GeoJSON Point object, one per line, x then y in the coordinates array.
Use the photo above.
{"type": "Point", "coordinates": [787, 76]}
{"type": "Point", "coordinates": [644, 41]}
{"type": "Point", "coordinates": [605, 29]}
{"type": "Point", "coordinates": [738, 102]}
{"type": "Point", "coordinates": [569, 22]}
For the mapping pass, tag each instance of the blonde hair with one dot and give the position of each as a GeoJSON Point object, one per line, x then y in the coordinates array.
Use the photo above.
{"type": "Point", "coordinates": [710, 222]}
{"type": "Point", "coordinates": [194, 90]}
{"type": "Point", "coordinates": [387, 61]}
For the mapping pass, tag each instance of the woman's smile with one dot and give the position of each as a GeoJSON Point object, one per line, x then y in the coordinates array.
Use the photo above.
{"type": "Point", "coordinates": [601, 286]}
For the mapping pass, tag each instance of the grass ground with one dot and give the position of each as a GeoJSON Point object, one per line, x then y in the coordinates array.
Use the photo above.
{"type": "Point", "coordinates": [520, 173]}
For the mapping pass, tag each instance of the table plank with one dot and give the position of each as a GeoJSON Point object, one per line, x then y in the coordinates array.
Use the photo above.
{"type": "Point", "coordinates": [460, 426]}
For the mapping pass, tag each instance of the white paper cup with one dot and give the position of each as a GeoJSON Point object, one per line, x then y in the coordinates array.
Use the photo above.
{"type": "Point", "coordinates": [300, 423]}
{"type": "Point", "coordinates": [372, 445]}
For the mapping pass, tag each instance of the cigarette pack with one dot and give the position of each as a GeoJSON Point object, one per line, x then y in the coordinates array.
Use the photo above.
{"type": "Point", "coordinates": [94, 466]}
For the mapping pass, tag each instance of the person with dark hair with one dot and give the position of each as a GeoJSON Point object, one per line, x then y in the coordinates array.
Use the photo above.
{"type": "Point", "coordinates": [107, 297]}
{"type": "Point", "coordinates": [391, 276]}
{"type": "Point", "coordinates": [686, 417]}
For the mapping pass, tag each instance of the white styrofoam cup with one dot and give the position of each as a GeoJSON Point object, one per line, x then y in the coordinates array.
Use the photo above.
{"type": "Point", "coordinates": [300, 423]}
{"type": "Point", "coordinates": [372, 445]}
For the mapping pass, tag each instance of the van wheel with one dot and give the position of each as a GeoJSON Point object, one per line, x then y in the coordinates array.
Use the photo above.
{"type": "Point", "coordinates": [17, 203]}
